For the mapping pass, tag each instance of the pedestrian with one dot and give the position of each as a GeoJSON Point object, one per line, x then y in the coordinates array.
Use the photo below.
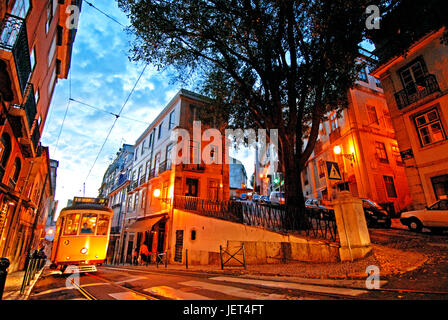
{"type": "Point", "coordinates": [144, 253]}
{"type": "Point", "coordinates": [134, 257]}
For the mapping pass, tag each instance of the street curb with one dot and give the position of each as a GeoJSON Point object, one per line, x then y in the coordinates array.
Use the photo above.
{"type": "Point", "coordinates": [27, 293]}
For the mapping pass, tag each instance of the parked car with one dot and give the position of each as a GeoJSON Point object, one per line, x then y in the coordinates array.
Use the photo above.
{"type": "Point", "coordinates": [277, 198]}
{"type": "Point", "coordinates": [255, 197]}
{"type": "Point", "coordinates": [265, 199]}
{"type": "Point", "coordinates": [243, 196]}
{"type": "Point", "coordinates": [435, 218]}
{"type": "Point", "coordinates": [375, 214]}
{"type": "Point", "coordinates": [318, 207]}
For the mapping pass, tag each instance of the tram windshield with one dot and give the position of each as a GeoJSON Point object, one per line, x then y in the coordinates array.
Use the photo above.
{"type": "Point", "coordinates": [87, 224]}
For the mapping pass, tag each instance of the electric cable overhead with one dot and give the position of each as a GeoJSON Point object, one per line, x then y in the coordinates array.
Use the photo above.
{"type": "Point", "coordinates": [66, 110]}
{"type": "Point", "coordinates": [115, 121]}
{"type": "Point", "coordinates": [112, 18]}
{"type": "Point", "coordinates": [108, 112]}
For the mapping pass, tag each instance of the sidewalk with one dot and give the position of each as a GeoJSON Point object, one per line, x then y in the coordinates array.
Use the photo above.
{"type": "Point", "coordinates": [13, 285]}
{"type": "Point", "coordinates": [390, 261]}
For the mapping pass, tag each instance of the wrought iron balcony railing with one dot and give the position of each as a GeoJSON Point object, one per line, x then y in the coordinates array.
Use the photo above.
{"type": "Point", "coordinates": [35, 138]}
{"type": "Point", "coordinates": [415, 92]}
{"type": "Point", "coordinates": [142, 179]}
{"type": "Point", "coordinates": [14, 38]}
{"type": "Point", "coordinates": [193, 167]}
{"type": "Point", "coordinates": [29, 105]}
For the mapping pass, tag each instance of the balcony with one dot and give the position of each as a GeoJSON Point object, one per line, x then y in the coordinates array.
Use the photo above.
{"type": "Point", "coordinates": [14, 46]}
{"type": "Point", "coordinates": [26, 111]}
{"type": "Point", "coordinates": [193, 167]}
{"type": "Point", "coordinates": [335, 135]}
{"type": "Point", "coordinates": [142, 180]}
{"type": "Point", "coordinates": [416, 92]}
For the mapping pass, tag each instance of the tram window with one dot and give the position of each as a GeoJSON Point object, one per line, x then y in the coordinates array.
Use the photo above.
{"type": "Point", "coordinates": [72, 224]}
{"type": "Point", "coordinates": [88, 223]}
{"type": "Point", "coordinates": [103, 225]}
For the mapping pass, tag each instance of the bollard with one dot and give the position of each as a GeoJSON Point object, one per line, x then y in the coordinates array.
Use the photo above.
{"type": "Point", "coordinates": [4, 264]}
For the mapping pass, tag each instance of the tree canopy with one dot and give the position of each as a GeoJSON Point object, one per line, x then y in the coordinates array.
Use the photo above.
{"type": "Point", "coordinates": [272, 64]}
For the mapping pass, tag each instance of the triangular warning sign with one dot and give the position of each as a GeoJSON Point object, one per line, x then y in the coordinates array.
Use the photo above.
{"type": "Point", "coordinates": [334, 174]}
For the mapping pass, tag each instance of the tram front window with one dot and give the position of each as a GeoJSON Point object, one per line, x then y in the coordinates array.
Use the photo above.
{"type": "Point", "coordinates": [88, 223]}
{"type": "Point", "coordinates": [72, 224]}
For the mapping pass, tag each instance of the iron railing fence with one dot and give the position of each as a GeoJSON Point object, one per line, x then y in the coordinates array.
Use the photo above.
{"type": "Point", "coordinates": [314, 223]}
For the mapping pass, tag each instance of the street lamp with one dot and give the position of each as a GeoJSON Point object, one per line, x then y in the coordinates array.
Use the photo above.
{"type": "Point", "coordinates": [338, 151]}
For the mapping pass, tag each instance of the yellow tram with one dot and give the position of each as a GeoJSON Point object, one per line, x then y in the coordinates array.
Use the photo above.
{"type": "Point", "coordinates": [82, 235]}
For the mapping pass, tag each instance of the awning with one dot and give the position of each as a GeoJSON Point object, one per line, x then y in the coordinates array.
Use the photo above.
{"type": "Point", "coordinates": [144, 224]}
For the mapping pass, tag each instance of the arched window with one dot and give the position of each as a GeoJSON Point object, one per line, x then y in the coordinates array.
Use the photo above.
{"type": "Point", "coordinates": [5, 152]}
{"type": "Point", "coordinates": [17, 168]}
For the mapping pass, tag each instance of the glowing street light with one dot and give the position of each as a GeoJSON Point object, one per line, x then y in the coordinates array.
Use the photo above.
{"type": "Point", "coordinates": [156, 193]}
{"type": "Point", "coordinates": [338, 151]}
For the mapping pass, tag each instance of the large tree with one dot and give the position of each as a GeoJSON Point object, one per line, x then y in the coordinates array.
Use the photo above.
{"type": "Point", "coordinates": [272, 64]}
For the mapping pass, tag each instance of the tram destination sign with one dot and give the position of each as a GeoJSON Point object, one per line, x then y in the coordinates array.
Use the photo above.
{"type": "Point", "coordinates": [81, 200]}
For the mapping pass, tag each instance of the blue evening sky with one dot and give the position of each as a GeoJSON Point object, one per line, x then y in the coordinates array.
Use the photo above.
{"type": "Point", "coordinates": [102, 76]}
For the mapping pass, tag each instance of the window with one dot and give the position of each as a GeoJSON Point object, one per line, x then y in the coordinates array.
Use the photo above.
{"type": "Point", "coordinates": [381, 153]}
{"type": "Point", "coordinates": [156, 164]}
{"type": "Point", "coordinates": [213, 155]}
{"type": "Point", "coordinates": [143, 200]}
{"type": "Point", "coordinates": [440, 185]}
{"type": "Point", "coordinates": [397, 155]}
{"type": "Point", "coordinates": [51, 10]}
{"type": "Point", "coordinates": [72, 224]}
{"type": "Point", "coordinates": [193, 235]}
{"type": "Point", "coordinates": [16, 171]}
{"type": "Point", "coordinates": [136, 200]}
{"type": "Point", "coordinates": [413, 75]}
{"type": "Point", "coordinates": [160, 131]}
{"type": "Point", "coordinates": [148, 168]}
{"type": "Point", "coordinates": [139, 175]}
{"type": "Point", "coordinates": [213, 190]}
{"type": "Point", "coordinates": [321, 169]}
{"type": "Point", "coordinates": [363, 75]}
{"type": "Point", "coordinates": [21, 8]}
{"type": "Point", "coordinates": [305, 177]}
{"type": "Point", "coordinates": [103, 225]}
{"type": "Point", "coordinates": [52, 83]}
{"type": "Point", "coordinates": [390, 187]}
{"type": "Point", "coordinates": [33, 59]}
{"type": "Point", "coordinates": [387, 119]}
{"type": "Point", "coordinates": [378, 83]}
{"type": "Point", "coordinates": [143, 147]}
{"type": "Point", "coordinates": [5, 152]}
{"type": "Point", "coordinates": [136, 154]}
{"type": "Point", "coordinates": [429, 127]}
{"type": "Point", "coordinates": [172, 120]}
{"type": "Point", "coordinates": [333, 121]}
{"type": "Point", "coordinates": [169, 149]}
{"type": "Point", "coordinates": [150, 140]}
{"type": "Point", "coordinates": [373, 116]}
{"type": "Point", "coordinates": [59, 35]}
{"type": "Point", "coordinates": [36, 96]}
{"type": "Point", "coordinates": [88, 223]}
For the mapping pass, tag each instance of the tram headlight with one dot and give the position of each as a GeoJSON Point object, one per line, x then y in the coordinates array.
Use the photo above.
{"type": "Point", "coordinates": [84, 250]}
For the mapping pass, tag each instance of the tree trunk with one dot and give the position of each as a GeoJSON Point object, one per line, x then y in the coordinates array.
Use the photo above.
{"type": "Point", "coordinates": [292, 177]}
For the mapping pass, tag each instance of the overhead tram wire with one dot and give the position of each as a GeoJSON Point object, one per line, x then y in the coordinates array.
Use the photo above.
{"type": "Point", "coordinates": [102, 12]}
{"type": "Point", "coordinates": [115, 121]}
{"type": "Point", "coordinates": [108, 112]}
{"type": "Point", "coordinates": [66, 110]}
